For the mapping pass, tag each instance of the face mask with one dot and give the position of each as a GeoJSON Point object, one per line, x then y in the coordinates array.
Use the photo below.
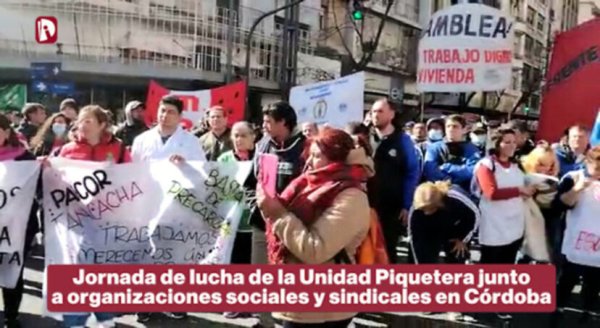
{"type": "Point", "coordinates": [435, 135]}
{"type": "Point", "coordinates": [478, 140]}
{"type": "Point", "coordinates": [59, 129]}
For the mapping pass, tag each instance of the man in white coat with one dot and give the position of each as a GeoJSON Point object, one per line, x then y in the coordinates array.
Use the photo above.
{"type": "Point", "coordinates": [167, 140]}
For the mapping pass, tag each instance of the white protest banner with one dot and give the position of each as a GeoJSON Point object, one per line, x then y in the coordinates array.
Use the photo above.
{"type": "Point", "coordinates": [336, 102]}
{"type": "Point", "coordinates": [146, 213]}
{"type": "Point", "coordinates": [18, 182]}
{"type": "Point", "coordinates": [466, 48]}
{"type": "Point", "coordinates": [582, 235]}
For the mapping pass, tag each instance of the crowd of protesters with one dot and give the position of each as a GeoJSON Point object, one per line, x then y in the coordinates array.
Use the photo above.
{"type": "Point", "coordinates": [441, 185]}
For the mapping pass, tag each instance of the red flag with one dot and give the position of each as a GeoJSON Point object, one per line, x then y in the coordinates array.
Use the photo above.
{"type": "Point", "coordinates": [231, 96]}
{"type": "Point", "coordinates": [572, 91]}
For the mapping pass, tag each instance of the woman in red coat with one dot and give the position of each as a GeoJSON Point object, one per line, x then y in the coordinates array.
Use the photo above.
{"type": "Point", "coordinates": [93, 141]}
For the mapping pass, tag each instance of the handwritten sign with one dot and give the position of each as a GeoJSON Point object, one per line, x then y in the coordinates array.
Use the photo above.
{"type": "Point", "coordinates": [148, 213]}
{"type": "Point", "coordinates": [582, 235]}
{"type": "Point", "coordinates": [18, 181]}
{"type": "Point", "coordinates": [466, 48]}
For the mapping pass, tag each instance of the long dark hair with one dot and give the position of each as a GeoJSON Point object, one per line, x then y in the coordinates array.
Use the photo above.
{"type": "Point", "coordinates": [497, 138]}
{"type": "Point", "coordinates": [45, 130]}
{"type": "Point", "coordinates": [13, 140]}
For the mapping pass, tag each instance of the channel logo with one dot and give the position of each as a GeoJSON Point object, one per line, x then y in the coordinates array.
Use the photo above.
{"type": "Point", "coordinates": [46, 29]}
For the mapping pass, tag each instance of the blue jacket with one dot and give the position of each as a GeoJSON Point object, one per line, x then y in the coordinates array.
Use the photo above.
{"type": "Point", "coordinates": [567, 160]}
{"type": "Point", "coordinates": [452, 161]}
{"type": "Point", "coordinates": [398, 171]}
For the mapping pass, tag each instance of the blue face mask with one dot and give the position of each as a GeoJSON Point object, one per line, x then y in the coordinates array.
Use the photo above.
{"type": "Point", "coordinates": [59, 129]}
{"type": "Point", "coordinates": [435, 135]}
{"type": "Point", "coordinates": [478, 139]}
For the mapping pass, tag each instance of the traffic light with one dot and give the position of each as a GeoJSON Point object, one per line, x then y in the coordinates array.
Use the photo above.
{"type": "Point", "coordinates": [358, 10]}
{"type": "Point", "coordinates": [526, 110]}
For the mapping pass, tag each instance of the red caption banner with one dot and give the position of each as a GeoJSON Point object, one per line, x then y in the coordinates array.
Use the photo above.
{"type": "Point", "coordinates": [322, 288]}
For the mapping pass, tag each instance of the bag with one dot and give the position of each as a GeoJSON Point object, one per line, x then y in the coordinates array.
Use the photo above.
{"type": "Point", "coordinates": [372, 250]}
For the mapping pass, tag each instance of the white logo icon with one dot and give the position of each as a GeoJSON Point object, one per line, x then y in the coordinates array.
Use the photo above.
{"type": "Point", "coordinates": [46, 29]}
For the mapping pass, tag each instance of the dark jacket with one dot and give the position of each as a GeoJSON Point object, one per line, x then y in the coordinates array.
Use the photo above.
{"type": "Point", "coordinates": [215, 146]}
{"type": "Point", "coordinates": [527, 148]}
{"type": "Point", "coordinates": [32, 225]}
{"type": "Point", "coordinates": [397, 173]}
{"type": "Point", "coordinates": [452, 161]}
{"type": "Point", "coordinates": [127, 133]}
{"type": "Point", "coordinates": [567, 160]}
{"type": "Point", "coordinates": [291, 164]}
{"type": "Point", "coordinates": [27, 130]}
{"type": "Point", "coordinates": [432, 233]}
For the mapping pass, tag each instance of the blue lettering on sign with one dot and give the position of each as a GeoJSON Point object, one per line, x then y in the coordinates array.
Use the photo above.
{"type": "Point", "coordinates": [321, 95]}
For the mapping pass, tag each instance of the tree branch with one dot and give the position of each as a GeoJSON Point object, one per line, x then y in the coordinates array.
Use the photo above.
{"type": "Point", "coordinates": [531, 88]}
{"type": "Point", "coordinates": [499, 99]}
{"type": "Point", "coordinates": [470, 97]}
{"type": "Point", "coordinates": [342, 39]}
{"type": "Point", "coordinates": [366, 57]}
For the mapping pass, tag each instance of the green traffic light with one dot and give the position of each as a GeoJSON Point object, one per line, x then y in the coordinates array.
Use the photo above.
{"type": "Point", "coordinates": [357, 15]}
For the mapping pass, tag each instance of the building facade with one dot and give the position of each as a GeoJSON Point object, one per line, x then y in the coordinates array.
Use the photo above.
{"type": "Point", "coordinates": [391, 70]}
{"type": "Point", "coordinates": [111, 49]}
{"type": "Point", "coordinates": [588, 10]}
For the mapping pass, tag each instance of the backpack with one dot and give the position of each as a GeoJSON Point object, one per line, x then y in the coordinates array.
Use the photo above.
{"type": "Point", "coordinates": [372, 250]}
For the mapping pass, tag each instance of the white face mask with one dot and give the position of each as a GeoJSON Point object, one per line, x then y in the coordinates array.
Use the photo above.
{"type": "Point", "coordinates": [478, 139]}
{"type": "Point", "coordinates": [435, 135]}
{"type": "Point", "coordinates": [59, 129]}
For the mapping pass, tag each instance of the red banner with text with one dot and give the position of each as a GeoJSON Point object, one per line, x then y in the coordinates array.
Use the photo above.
{"type": "Point", "coordinates": [572, 91]}
{"type": "Point", "coordinates": [231, 96]}
{"type": "Point", "coordinates": [322, 288]}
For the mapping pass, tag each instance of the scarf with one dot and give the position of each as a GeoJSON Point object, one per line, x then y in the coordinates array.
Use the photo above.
{"type": "Point", "coordinates": [311, 194]}
{"type": "Point", "coordinates": [10, 153]}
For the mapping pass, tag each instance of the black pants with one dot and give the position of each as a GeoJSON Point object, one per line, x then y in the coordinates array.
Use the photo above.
{"type": "Point", "coordinates": [13, 296]}
{"type": "Point", "coordinates": [242, 248]}
{"type": "Point", "coordinates": [328, 324]}
{"type": "Point", "coordinates": [391, 232]}
{"type": "Point", "coordinates": [570, 277]}
{"type": "Point", "coordinates": [505, 254]}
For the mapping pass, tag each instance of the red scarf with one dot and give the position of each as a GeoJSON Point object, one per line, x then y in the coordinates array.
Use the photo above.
{"type": "Point", "coordinates": [311, 194]}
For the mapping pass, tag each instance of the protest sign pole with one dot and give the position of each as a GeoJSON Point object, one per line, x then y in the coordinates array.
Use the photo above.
{"type": "Point", "coordinates": [249, 43]}
{"type": "Point", "coordinates": [422, 114]}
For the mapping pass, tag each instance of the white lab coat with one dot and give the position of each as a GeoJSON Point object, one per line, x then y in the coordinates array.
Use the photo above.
{"type": "Point", "coordinates": [149, 146]}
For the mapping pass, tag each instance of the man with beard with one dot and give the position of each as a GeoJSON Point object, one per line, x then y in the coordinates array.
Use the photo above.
{"type": "Point", "coordinates": [397, 174]}
{"type": "Point", "coordinates": [134, 123]}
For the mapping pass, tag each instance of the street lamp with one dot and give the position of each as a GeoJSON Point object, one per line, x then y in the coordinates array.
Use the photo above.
{"type": "Point", "coordinates": [249, 43]}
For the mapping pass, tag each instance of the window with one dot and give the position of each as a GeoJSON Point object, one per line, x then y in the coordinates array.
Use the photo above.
{"type": "Point", "coordinates": [526, 77]}
{"type": "Point", "coordinates": [539, 49]}
{"type": "Point", "coordinates": [541, 21]}
{"type": "Point", "coordinates": [303, 34]}
{"type": "Point", "coordinates": [208, 58]}
{"type": "Point", "coordinates": [515, 80]}
{"type": "Point", "coordinates": [323, 17]}
{"type": "Point", "coordinates": [528, 44]}
{"type": "Point", "coordinates": [530, 16]}
{"type": "Point", "coordinates": [438, 5]}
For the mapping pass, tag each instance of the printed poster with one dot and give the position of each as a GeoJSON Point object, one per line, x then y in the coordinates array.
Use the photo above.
{"type": "Point", "coordinates": [336, 102]}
